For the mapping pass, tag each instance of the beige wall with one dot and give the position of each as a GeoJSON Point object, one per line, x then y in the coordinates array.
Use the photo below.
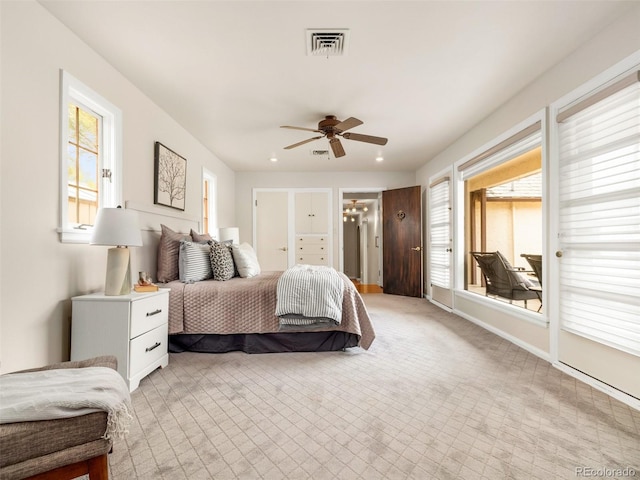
{"type": "Point", "coordinates": [520, 229]}
{"type": "Point", "coordinates": [39, 274]}
{"type": "Point", "coordinates": [613, 44]}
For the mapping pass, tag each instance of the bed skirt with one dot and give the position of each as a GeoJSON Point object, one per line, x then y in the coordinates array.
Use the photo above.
{"type": "Point", "coordinates": [325, 341]}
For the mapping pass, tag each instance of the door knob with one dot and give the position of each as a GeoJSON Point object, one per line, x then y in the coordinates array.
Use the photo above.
{"type": "Point", "coordinates": [559, 253]}
{"type": "Point", "coordinates": [284, 249]}
{"type": "Point", "coordinates": [417, 249]}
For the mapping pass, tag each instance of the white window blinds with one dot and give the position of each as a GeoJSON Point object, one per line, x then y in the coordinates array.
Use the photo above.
{"type": "Point", "coordinates": [440, 233]}
{"type": "Point", "coordinates": [522, 142]}
{"type": "Point", "coordinates": [599, 156]}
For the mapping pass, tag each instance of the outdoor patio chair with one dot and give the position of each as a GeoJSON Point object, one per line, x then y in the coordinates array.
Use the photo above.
{"type": "Point", "coordinates": [536, 264]}
{"type": "Point", "coordinates": [503, 280]}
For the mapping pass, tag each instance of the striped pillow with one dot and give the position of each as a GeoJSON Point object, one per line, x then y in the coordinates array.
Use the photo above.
{"type": "Point", "coordinates": [194, 264]}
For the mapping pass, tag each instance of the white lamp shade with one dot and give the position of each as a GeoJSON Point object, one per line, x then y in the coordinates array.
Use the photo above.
{"type": "Point", "coordinates": [116, 226]}
{"type": "Point", "coordinates": [230, 233]}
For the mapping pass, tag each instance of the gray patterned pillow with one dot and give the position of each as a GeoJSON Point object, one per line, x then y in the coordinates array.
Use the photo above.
{"type": "Point", "coordinates": [168, 253]}
{"type": "Point", "coordinates": [194, 264]}
{"type": "Point", "coordinates": [221, 261]}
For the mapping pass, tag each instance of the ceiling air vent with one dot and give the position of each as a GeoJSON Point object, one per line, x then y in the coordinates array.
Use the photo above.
{"type": "Point", "coordinates": [320, 153]}
{"type": "Point", "coordinates": [327, 42]}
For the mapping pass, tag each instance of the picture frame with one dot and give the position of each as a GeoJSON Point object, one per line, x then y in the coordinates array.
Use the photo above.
{"type": "Point", "coordinates": [170, 178]}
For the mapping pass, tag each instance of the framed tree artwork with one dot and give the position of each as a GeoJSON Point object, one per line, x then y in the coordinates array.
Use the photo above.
{"type": "Point", "coordinates": [170, 182]}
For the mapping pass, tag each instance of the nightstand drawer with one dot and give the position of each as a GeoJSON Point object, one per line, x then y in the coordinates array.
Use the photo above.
{"type": "Point", "coordinates": [148, 348]}
{"type": "Point", "coordinates": [148, 313]}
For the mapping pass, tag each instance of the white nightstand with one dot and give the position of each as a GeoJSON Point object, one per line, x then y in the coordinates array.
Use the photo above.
{"type": "Point", "coordinates": [132, 327]}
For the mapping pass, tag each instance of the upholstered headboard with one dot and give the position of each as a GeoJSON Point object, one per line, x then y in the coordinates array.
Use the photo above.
{"type": "Point", "coordinates": [151, 217]}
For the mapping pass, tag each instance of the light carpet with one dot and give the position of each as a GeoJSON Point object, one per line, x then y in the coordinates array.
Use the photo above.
{"type": "Point", "coordinates": [436, 397]}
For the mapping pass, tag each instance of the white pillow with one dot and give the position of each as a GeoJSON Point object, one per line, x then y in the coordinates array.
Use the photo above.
{"type": "Point", "coordinates": [246, 260]}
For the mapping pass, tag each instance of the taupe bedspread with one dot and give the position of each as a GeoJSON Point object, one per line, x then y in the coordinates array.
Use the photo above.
{"type": "Point", "coordinates": [248, 305]}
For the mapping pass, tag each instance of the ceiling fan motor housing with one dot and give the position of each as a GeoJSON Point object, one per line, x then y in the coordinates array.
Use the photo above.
{"type": "Point", "coordinates": [327, 125]}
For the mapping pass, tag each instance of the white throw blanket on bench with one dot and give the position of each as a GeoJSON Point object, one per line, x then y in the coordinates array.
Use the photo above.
{"type": "Point", "coordinates": [309, 295]}
{"type": "Point", "coordinates": [67, 392]}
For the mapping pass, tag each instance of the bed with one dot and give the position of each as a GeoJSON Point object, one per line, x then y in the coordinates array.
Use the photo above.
{"type": "Point", "coordinates": [237, 312]}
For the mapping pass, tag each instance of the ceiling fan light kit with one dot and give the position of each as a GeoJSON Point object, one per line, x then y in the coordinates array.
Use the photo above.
{"type": "Point", "coordinates": [332, 128]}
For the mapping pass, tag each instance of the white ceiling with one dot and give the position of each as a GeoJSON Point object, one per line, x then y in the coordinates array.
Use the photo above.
{"type": "Point", "coordinates": [420, 73]}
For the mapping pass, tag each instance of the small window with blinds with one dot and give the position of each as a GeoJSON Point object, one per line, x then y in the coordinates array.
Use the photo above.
{"type": "Point", "coordinates": [503, 220]}
{"type": "Point", "coordinates": [440, 233]}
{"type": "Point", "coordinates": [599, 218]}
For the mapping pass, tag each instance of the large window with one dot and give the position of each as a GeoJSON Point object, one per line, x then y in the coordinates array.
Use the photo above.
{"type": "Point", "coordinates": [90, 158]}
{"type": "Point", "coordinates": [503, 220]}
{"type": "Point", "coordinates": [599, 217]}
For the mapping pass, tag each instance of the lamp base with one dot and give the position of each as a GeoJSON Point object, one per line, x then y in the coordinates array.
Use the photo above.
{"type": "Point", "coordinates": [118, 280]}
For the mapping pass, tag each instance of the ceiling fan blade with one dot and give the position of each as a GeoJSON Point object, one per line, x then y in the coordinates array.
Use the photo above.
{"type": "Point", "coordinates": [336, 146]}
{"type": "Point", "coordinates": [365, 138]}
{"type": "Point", "coordinates": [301, 128]}
{"type": "Point", "coordinates": [347, 124]}
{"type": "Point", "coordinates": [302, 143]}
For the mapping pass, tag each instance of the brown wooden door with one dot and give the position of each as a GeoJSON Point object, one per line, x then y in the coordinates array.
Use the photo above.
{"type": "Point", "coordinates": [402, 242]}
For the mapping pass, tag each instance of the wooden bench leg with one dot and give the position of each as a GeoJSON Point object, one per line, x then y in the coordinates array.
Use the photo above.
{"type": "Point", "coordinates": [96, 467]}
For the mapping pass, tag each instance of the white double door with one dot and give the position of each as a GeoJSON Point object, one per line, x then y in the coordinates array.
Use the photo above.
{"type": "Point", "coordinates": [281, 214]}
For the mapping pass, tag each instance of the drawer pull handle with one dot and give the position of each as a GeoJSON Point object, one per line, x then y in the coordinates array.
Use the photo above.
{"type": "Point", "coordinates": [155, 312]}
{"type": "Point", "coordinates": [148, 349]}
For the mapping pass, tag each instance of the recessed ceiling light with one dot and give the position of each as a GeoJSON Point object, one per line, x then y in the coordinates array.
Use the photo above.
{"type": "Point", "coordinates": [273, 159]}
{"type": "Point", "coordinates": [379, 159]}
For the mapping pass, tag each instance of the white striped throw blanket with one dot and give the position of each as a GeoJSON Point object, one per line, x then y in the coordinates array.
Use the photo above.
{"type": "Point", "coordinates": [66, 392]}
{"type": "Point", "coordinates": [309, 295]}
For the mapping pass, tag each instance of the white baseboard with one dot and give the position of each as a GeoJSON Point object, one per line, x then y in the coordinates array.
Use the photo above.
{"type": "Point", "coordinates": [526, 346]}
{"type": "Point", "coordinates": [592, 382]}
{"type": "Point", "coordinates": [625, 398]}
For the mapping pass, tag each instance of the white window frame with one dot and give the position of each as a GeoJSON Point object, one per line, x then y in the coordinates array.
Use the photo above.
{"type": "Point", "coordinates": [74, 91]}
{"type": "Point", "coordinates": [440, 207]}
{"type": "Point", "coordinates": [588, 89]}
{"type": "Point", "coordinates": [458, 199]}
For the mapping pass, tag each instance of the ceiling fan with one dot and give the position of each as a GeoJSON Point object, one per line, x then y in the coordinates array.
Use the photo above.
{"type": "Point", "coordinates": [331, 128]}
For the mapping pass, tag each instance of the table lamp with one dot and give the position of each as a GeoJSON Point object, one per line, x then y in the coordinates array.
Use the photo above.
{"type": "Point", "coordinates": [229, 233]}
{"type": "Point", "coordinates": [119, 228]}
